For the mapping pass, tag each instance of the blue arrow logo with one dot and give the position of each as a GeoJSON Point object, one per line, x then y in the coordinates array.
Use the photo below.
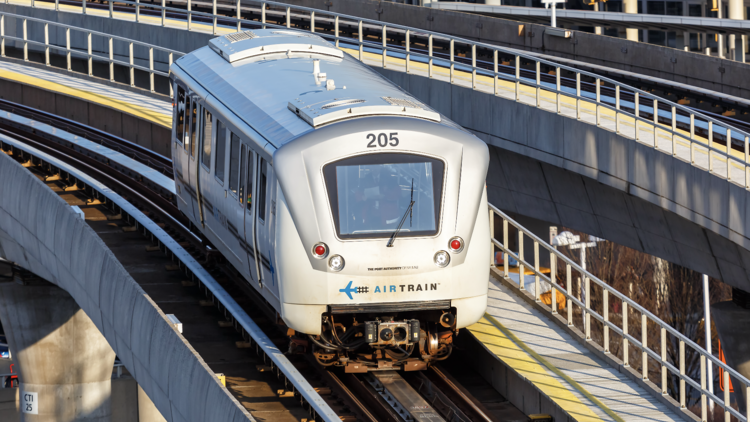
{"type": "Point", "coordinates": [349, 290]}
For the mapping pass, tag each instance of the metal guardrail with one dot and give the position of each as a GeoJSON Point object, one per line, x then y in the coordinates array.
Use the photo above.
{"type": "Point", "coordinates": [663, 123]}
{"type": "Point", "coordinates": [88, 54]}
{"type": "Point", "coordinates": [609, 293]}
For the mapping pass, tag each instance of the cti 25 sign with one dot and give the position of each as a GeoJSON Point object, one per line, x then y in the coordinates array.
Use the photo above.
{"type": "Point", "coordinates": [30, 403]}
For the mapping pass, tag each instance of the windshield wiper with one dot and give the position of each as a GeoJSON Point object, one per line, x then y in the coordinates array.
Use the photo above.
{"type": "Point", "coordinates": [403, 219]}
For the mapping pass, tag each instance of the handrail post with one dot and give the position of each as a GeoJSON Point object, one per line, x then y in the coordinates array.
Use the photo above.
{"type": "Point", "coordinates": [213, 10]}
{"type": "Point", "coordinates": [452, 49]}
{"type": "Point", "coordinates": [553, 280]}
{"type": "Point", "coordinates": [83, 7]}
{"type": "Point", "coordinates": [704, 407]}
{"type": "Point", "coordinates": [729, 154]}
{"type": "Point", "coordinates": [725, 382]}
{"type": "Point", "coordinates": [538, 84]}
{"type": "Point", "coordinates": [361, 47]}
{"type": "Point", "coordinates": [682, 374]}
{"type": "Point", "coordinates": [492, 236]}
{"type": "Point", "coordinates": [111, 60]}
{"type": "Point", "coordinates": [558, 88]}
{"type": "Point", "coordinates": [57, 5]}
{"type": "Point", "coordinates": [536, 271]}
{"type": "Point", "coordinates": [239, 18]}
{"type": "Point", "coordinates": [2, 35]}
{"type": "Point", "coordinates": [137, 11]}
{"type": "Point", "coordinates": [521, 269]}
{"type": "Point", "coordinates": [656, 115]}
{"type": "Point", "coordinates": [335, 26]}
{"type": "Point", "coordinates": [163, 12]}
{"type": "Point", "coordinates": [111, 9]}
{"type": "Point", "coordinates": [518, 78]}
{"type": "Point", "coordinates": [67, 47]}
{"type": "Point", "coordinates": [568, 284]}
{"type": "Point", "coordinates": [132, 69]}
{"type": "Point", "coordinates": [644, 346]}
{"type": "Point", "coordinates": [151, 67]}
{"type": "Point", "coordinates": [578, 96]}
{"type": "Point", "coordinates": [505, 245]}
{"type": "Point", "coordinates": [408, 56]}
{"type": "Point", "coordinates": [263, 21]}
{"type": "Point", "coordinates": [90, 56]}
{"type": "Point", "coordinates": [171, 89]}
{"type": "Point", "coordinates": [617, 107]}
{"type": "Point", "coordinates": [598, 101]}
{"type": "Point", "coordinates": [625, 357]}
{"type": "Point", "coordinates": [385, 48]}
{"type": "Point", "coordinates": [587, 314]}
{"type": "Point", "coordinates": [473, 66]}
{"type": "Point", "coordinates": [664, 372]}
{"type": "Point", "coordinates": [288, 17]}
{"type": "Point", "coordinates": [605, 312]}
{"type": "Point", "coordinates": [312, 20]}
{"type": "Point", "coordinates": [25, 43]}
{"type": "Point", "coordinates": [46, 44]}
{"type": "Point", "coordinates": [429, 68]}
{"type": "Point", "coordinates": [494, 68]}
{"type": "Point", "coordinates": [189, 15]}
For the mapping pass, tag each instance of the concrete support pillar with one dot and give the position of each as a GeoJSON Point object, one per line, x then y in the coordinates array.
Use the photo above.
{"type": "Point", "coordinates": [60, 354]}
{"type": "Point", "coordinates": [736, 52]}
{"type": "Point", "coordinates": [631, 6]}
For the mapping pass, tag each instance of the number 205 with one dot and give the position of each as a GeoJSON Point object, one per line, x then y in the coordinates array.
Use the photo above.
{"type": "Point", "coordinates": [382, 140]}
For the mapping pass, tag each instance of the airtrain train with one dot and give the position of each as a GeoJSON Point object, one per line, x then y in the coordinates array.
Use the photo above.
{"type": "Point", "coordinates": [355, 210]}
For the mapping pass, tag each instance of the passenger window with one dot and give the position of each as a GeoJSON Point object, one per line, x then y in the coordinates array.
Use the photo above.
{"type": "Point", "coordinates": [193, 123]}
{"type": "Point", "coordinates": [234, 164]}
{"type": "Point", "coordinates": [207, 138]}
{"type": "Point", "coordinates": [262, 190]}
{"type": "Point", "coordinates": [249, 186]}
{"type": "Point", "coordinates": [241, 196]}
{"type": "Point", "coordinates": [221, 141]}
{"type": "Point", "coordinates": [180, 113]}
{"type": "Point", "coordinates": [186, 135]}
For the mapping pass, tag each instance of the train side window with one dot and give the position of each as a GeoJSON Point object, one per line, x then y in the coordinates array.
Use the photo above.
{"type": "Point", "coordinates": [234, 164]}
{"type": "Point", "coordinates": [221, 147]}
{"type": "Point", "coordinates": [208, 132]}
{"type": "Point", "coordinates": [241, 196]}
{"type": "Point", "coordinates": [180, 113]}
{"type": "Point", "coordinates": [249, 185]}
{"type": "Point", "coordinates": [193, 122]}
{"type": "Point", "coordinates": [262, 190]}
{"type": "Point", "coordinates": [186, 133]}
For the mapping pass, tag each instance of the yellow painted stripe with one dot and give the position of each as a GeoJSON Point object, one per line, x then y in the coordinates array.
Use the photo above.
{"type": "Point", "coordinates": [519, 356]}
{"type": "Point", "coordinates": [132, 109]}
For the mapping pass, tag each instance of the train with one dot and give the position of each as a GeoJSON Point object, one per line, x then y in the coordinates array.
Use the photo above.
{"type": "Point", "coordinates": [358, 213]}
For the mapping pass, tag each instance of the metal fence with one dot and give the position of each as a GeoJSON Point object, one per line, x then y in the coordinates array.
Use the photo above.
{"type": "Point", "coordinates": [88, 53]}
{"type": "Point", "coordinates": [628, 305]}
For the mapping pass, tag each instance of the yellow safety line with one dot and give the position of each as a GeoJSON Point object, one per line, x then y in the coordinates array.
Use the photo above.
{"type": "Point", "coordinates": [133, 109]}
{"type": "Point", "coordinates": [519, 356]}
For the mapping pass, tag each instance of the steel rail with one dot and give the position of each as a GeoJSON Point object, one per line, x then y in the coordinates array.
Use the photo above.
{"type": "Point", "coordinates": [71, 162]}
{"type": "Point", "coordinates": [588, 311]}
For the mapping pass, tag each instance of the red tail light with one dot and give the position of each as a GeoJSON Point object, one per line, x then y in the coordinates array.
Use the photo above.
{"type": "Point", "coordinates": [456, 244]}
{"type": "Point", "coordinates": [320, 250]}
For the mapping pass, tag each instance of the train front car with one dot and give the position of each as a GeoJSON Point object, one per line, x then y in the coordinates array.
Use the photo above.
{"type": "Point", "coordinates": [383, 232]}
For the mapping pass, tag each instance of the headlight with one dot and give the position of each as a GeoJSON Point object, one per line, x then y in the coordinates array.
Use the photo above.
{"type": "Point", "coordinates": [442, 259]}
{"type": "Point", "coordinates": [336, 263]}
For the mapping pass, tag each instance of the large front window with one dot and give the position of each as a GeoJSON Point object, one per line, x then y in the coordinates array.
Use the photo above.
{"type": "Point", "coordinates": [371, 194]}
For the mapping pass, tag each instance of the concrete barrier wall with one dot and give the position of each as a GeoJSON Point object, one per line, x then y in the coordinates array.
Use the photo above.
{"type": "Point", "coordinates": [570, 173]}
{"type": "Point", "coordinates": [116, 122]}
{"type": "Point", "coordinates": [40, 232]}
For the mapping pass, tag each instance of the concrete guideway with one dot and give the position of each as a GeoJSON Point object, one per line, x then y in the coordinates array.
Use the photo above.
{"type": "Point", "coordinates": [190, 403]}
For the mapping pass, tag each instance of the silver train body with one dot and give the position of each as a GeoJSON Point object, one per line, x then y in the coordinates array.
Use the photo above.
{"type": "Point", "coordinates": [299, 163]}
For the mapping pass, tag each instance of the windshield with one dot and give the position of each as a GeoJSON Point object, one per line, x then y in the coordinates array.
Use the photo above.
{"type": "Point", "coordinates": [371, 194]}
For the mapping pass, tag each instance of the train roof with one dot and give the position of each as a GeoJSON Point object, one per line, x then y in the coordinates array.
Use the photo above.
{"type": "Point", "coordinates": [266, 77]}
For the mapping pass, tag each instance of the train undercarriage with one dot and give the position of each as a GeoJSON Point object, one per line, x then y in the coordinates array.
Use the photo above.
{"type": "Point", "coordinates": [362, 342]}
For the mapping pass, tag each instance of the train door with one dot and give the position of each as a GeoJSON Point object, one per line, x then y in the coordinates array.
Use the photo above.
{"type": "Point", "coordinates": [188, 193]}
{"type": "Point", "coordinates": [249, 171]}
{"type": "Point", "coordinates": [178, 157]}
{"type": "Point", "coordinates": [264, 223]}
{"type": "Point", "coordinates": [205, 151]}
{"type": "Point", "coordinates": [195, 129]}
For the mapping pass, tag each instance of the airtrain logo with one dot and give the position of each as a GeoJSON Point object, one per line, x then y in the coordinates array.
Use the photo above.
{"type": "Point", "coordinates": [349, 290]}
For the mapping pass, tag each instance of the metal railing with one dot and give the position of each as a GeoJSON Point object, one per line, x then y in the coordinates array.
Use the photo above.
{"type": "Point", "coordinates": [628, 305]}
{"type": "Point", "coordinates": [696, 134]}
{"type": "Point", "coordinates": [89, 53]}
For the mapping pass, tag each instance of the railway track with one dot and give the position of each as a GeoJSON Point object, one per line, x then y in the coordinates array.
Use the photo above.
{"type": "Point", "coordinates": [257, 382]}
